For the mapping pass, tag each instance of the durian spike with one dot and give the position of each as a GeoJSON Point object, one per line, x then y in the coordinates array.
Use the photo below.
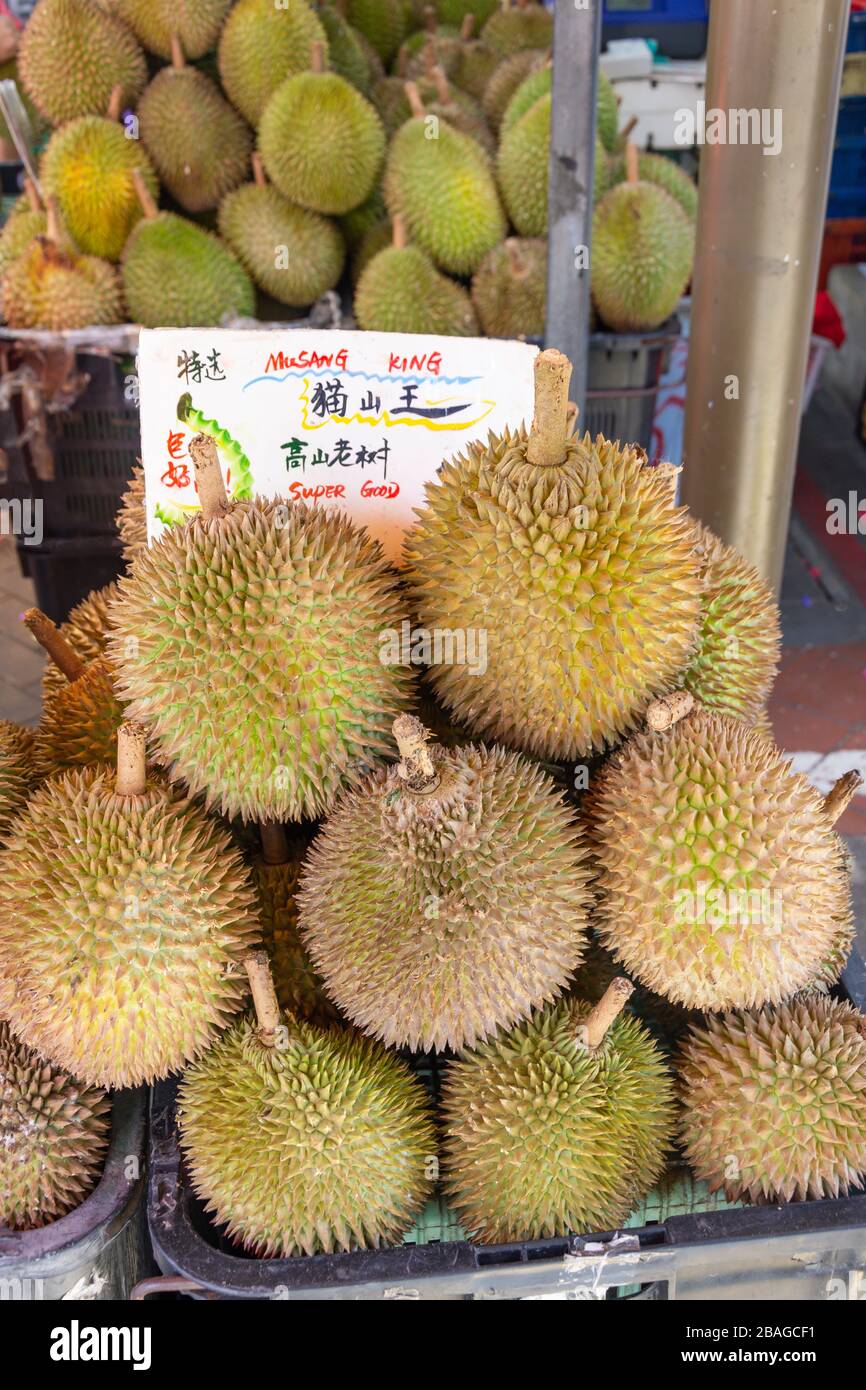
{"type": "Point", "coordinates": [208, 476]}
{"type": "Point", "coordinates": [631, 164]}
{"type": "Point", "coordinates": [317, 56]}
{"type": "Point", "coordinates": [115, 102]}
{"type": "Point", "coordinates": [144, 195]}
{"type": "Point", "coordinates": [258, 171]}
{"type": "Point", "coordinates": [177, 58]}
{"type": "Point", "coordinates": [838, 797]}
{"type": "Point", "coordinates": [413, 96]}
{"type": "Point", "coordinates": [131, 760]}
{"type": "Point", "coordinates": [32, 194]}
{"type": "Point", "coordinates": [443, 89]}
{"type": "Point", "coordinates": [415, 766]}
{"type": "Point", "coordinates": [51, 639]}
{"type": "Point", "coordinates": [258, 969]}
{"type": "Point", "coordinates": [399, 239]}
{"type": "Point", "coordinates": [549, 433]}
{"type": "Point", "coordinates": [275, 845]}
{"type": "Point", "coordinates": [669, 710]}
{"type": "Point", "coordinates": [670, 472]}
{"type": "Point", "coordinates": [467, 28]}
{"type": "Point", "coordinates": [609, 1007]}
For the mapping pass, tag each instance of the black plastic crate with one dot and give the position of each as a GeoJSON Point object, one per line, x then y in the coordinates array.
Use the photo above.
{"type": "Point", "coordinates": [65, 569]}
{"type": "Point", "coordinates": [624, 375]}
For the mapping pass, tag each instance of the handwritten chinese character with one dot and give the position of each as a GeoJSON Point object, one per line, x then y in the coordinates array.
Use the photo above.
{"type": "Point", "coordinates": [329, 398]}
{"type": "Point", "coordinates": [177, 474]}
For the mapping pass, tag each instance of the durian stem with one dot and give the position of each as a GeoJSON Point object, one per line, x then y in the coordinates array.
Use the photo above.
{"type": "Point", "coordinates": [571, 417]}
{"type": "Point", "coordinates": [115, 102]}
{"type": "Point", "coordinates": [258, 171]}
{"type": "Point", "coordinates": [32, 195]}
{"type": "Point", "coordinates": [669, 710]}
{"type": "Point", "coordinates": [413, 96]}
{"type": "Point", "coordinates": [275, 845]}
{"type": "Point", "coordinates": [131, 760]}
{"type": "Point", "coordinates": [628, 127]}
{"type": "Point", "coordinates": [177, 58]}
{"type": "Point", "coordinates": [415, 766]}
{"type": "Point", "coordinates": [208, 476]}
{"type": "Point", "coordinates": [516, 264]}
{"type": "Point", "coordinates": [52, 230]}
{"type": "Point", "coordinates": [144, 195]}
{"type": "Point", "coordinates": [51, 639]}
{"type": "Point", "coordinates": [399, 238]}
{"type": "Point", "coordinates": [547, 438]}
{"type": "Point", "coordinates": [467, 28]}
{"type": "Point", "coordinates": [443, 90]}
{"type": "Point", "coordinates": [609, 1007]}
{"type": "Point", "coordinates": [317, 57]}
{"type": "Point", "coordinates": [631, 164]}
{"type": "Point", "coordinates": [430, 18]}
{"type": "Point", "coordinates": [838, 797]}
{"type": "Point", "coordinates": [402, 63]}
{"type": "Point", "coordinates": [265, 1003]}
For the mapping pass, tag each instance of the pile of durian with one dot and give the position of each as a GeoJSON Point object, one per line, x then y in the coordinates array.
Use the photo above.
{"type": "Point", "coordinates": [288, 162]}
{"type": "Point", "coordinates": [601, 895]}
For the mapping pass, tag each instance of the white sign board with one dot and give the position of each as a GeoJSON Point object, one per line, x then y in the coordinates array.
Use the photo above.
{"type": "Point", "coordinates": [355, 420]}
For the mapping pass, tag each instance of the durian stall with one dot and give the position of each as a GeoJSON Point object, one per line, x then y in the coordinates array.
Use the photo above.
{"type": "Point", "coordinates": [444, 980]}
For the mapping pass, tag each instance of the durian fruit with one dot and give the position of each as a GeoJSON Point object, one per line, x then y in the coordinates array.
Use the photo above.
{"type": "Point", "coordinates": [642, 254]}
{"type": "Point", "coordinates": [444, 192]}
{"type": "Point", "coordinates": [52, 286]}
{"type": "Point", "coordinates": [197, 141]}
{"type": "Point", "coordinates": [85, 630]}
{"type": "Point", "coordinates": [607, 112]}
{"type": "Point", "coordinates": [658, 169]}
{"type": "Point", "coordinates": [478, 62]}
{"type": "Point", "coordinates": [257, 662]}
{"type": "Point", "coordinates": [774, 1102]}
{"type": "Point", "coordinates": [293, 254]}
{"type": "Point", "coordinates": [571, 555]}
{"type": "Point", "coordinates": [376, 239]}
{"type": "Point", "coordinates": [449, 104]}
{"type": "Point", "coordinates": [666, 1021]}
{"type": "Point", "coordinates": [321, 142]}
{"type": "Point", "coordinates": [560, 1126]}
{"type": "Point", "coordinates": [18, 771]}
{"type": "Point", "coordinates": [262, 44]}
{"type": "Point", "coordinates": [538, 84]}
{"type": "Point", "coordinates": [275, 871]}
{"type": "Point", "coordinates": [438, 45]}
{"type": "Point", "coordinates": [53, 1137]}
{"type": "Point", "coordinates": [506, 79]}
{"type": "Point", "coordinates": [73, 53]}
{"type": "Point", "coordinates": [721, 883]}
{"type": "Point", "coordinates": [81, 717]}
{"type": "Point", "coordinates": [176, 274]}
{"type": "Point", "coordinates": [509, 289]}
{"type": "Point", "coordinates": [355, 224]}
{"type": "Point", "coordinates": [733, 669]}
{"type": "Point", "coordinates": [347, 56]}
{"type": "Point", "coordinates": [88, 167]}
{"type": "Point", "coordinates": [195, 23]}
{"type": "Point", "coordinates": [390, 100]}
{"type": "Point", "coordinates": [513, 28]}
{"type": "Point", "coordinates": [523, 167]}
{"type": "Point", "coordinates": [447, 896]}
{"type": "Point", "coordinates": [400, 291]}
{"type": "Point", "coordinates": [26, 220]}
{"type": "Point", "coordinates": [457, 11]}
{"type": "Point", "coordinates": [131, 519]}
{"type": "Point", "coordinates": [114, 964]}
{"type": "Point", "coordinates": [383, 22]}
{"type": "Point", "coordinates": [343, 1139]}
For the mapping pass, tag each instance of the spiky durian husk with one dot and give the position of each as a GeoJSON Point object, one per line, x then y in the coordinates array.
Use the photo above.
{"type": "Point", "coordinates": [513, 30]}
{"type": "Point", "coordinates": [176, 273]}
{"type": "Point", "coordinates": [504, 82]}
{"type": "Point", "coordinates": [126, 922]}
{"type": "Point", "coordinates": [321, 1143]}
{"type": "Point", "coordinates": [478, 63]}
{"type": "Point", "coordinates": [658, 168]}
{"type": "Point", "coordinates": [19, 229]}
{"type": "Point", "coordinates": [131, 520]}
{"type": "Point", "coordinates": [444, 191]}
{"type": "Point", "coordinates": [509, 288]}
{"type": "Point", "coordinates": [454, 11]}
{"type": "Point", "coordinates": [199, 144]}
{"type": "Point", "coordinates": [73, 52]}
{"type": "Point", "coordinates": [346, 54]}
{"type": "Point", "coordinates": [88, 165]}
{"type": "Point", "coordinates": [400, 291]}
{"type": "Point", "coordinates": [774, 1103]}
{"type": "Point", "coordinates": [53, 1137]}
{"type": "Point", "coordinates": [583, 575]}
{"type": "Point", "coordinates": [256, 665]}
{"type": "Point", "coordinates": [737, 657]}
{"type": "Point", "coordinates": [195, 22]}
{"type": "Point", "coordinates": [80, 720]}
{"type": "Point", "coordinates": [85, 630]}
{"type": "Point", "coordinates": [698, 832]}
{"type": "Point", "coordinates": [383, 22]}
{"type": "Point", "coordinates": [643, 249]}
{"type": "Point", "coordinates": [53, 287]}
{"type": "Point", "coordinates": [256, 222]}
{"type": "Point", "coordinates": [544, 1137]}
{"type": "Point", "coordinates": [300, 990]}
{"type": "Point", "coordinates": [261, 44]}
{"type": "Point", "coordinates": [321, 142]}
{"type": "Point", "coordinates": [435, 919]}
{"type": "Point", "coordinates": [18, 768]}
{"type": "Point", "coordinates": [608, 112]}
{"type": "Point", "coordinates": [522, 167]}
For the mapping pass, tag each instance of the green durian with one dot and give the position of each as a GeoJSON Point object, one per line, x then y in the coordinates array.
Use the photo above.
{"type": "Point", "coordinates": [509, 289]}
{"type": "Point", "coordinates": [196, 23]}
{"type": "Point", "coordinates": [377, 238]}
{"type": "Point", "coordinates": [176, 274]}
{"type": "Point", "coordinates": [506, 79]}
{"type": "Point", "coordinates": [51, 286]}
{"type": "Point", "coordinates": [88, 167]}
{"type": "Point", "coordinates": [523, 168]}
{"type": "Point", "coordinates": [346, 54]}
{"type": "Point", "coordinates": [26, 220]}
{"type": "Point", "coordinates": [73, 54]}
{"type": "Point", "coordinates": [261, 45]}
{"type": "Point", "coordinates": [356, 224]}
{"type": "Point", "coordinates": [400, 291]}
{"type": "Point", "coordinates": [514, 30]}
{"type": "Point", "coordinates": [666, 173]}
{"type": "Point", "coordinates": [607, 112]}
{"type": "Point", "coordinates": [383, 22]}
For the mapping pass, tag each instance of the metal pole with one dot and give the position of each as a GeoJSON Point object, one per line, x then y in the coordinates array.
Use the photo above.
{"type": "Point", "coordinates": [760, 224]}
{"type": "Point", "coordinates": [576, 45]}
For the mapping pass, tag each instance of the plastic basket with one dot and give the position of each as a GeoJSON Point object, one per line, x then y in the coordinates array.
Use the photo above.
{"type": "Point", "coordinates": [678, 26]}
{"type": "Point", "coordinates": [624, 373]}
{"type": "Point", "coordinates": [65, 569]}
